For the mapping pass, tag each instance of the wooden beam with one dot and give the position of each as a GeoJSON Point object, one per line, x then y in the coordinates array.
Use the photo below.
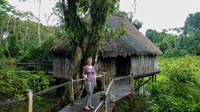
{"type": "Point", "coordinates": [146, 74]}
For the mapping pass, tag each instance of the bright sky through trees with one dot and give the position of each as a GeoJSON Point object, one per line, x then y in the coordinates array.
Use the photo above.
{"type": "Point", "coordinates": [155, 14]}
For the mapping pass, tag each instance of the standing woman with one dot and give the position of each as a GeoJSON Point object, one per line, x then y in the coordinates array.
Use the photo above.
{"type": "Point", "coordinates": [90, 81]}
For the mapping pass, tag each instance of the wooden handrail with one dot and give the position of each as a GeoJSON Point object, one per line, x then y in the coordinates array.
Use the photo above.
{"type": "Point", "coordinates": [103, 103]}
{"type": "Point", "coordinates": [35, 94]}
{"type": "Point", "coordinates": [9, 102]}
{"type": "Point", "coordinates": [49, 89]}
{"type": "Point", "coordinates": [98, 107]}
{"type": "Point", "coordinates": [124, 77]}
{"type": "Point", "coordinates": [34, 63]}
{"type": "Point", "coordinates": [77, 80]}
{"type": "Point", "coordinates": [109, 86]}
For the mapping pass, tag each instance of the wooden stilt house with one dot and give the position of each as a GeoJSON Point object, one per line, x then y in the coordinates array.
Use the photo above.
{"type": "Point", "coordinates": [133, 53]}
{"type": "Point", "coordinates": [198, 50]}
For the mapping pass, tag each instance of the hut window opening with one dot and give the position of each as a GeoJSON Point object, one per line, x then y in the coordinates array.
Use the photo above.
{"type": "Point", "coordinates": [123, 66]}
{"type": "Point", "coordinates": [142, 60]}
{"type": "Point", "coordinates": [146, 61]}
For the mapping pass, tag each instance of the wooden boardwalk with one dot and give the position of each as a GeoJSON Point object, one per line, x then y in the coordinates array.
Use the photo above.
{"type": "Point", "coordinates": [122, 89]}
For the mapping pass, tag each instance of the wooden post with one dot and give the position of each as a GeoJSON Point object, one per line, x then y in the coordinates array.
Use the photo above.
{"type": "Point", "coordinates": [132, 97]}
{"type": "Point", "coordinates": [131, 73]}
{"type": "Point", "coordinates": [71, 92]}
{"type": "Point", "coordinates": [113, 92]}
{"type": "Point", "coordinates": [104, 98]}
{"type": "Point", "coordinates": [27, 103]}
{"type": "Point", "coordinates": [103, 82]}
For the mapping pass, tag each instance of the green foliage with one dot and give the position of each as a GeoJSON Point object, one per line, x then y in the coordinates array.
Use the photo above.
{"type": "Point", "coordinates": [41, 53]}
{"type": "Point", "coordinates": [137, 24]}
{"type": "Point", "coordinates": [178, 90]}
{"type": "Point", "coordinates": [21, 31]}
{"type": "Point", "coordinates": [122, 105]}
{"type": "Point", "coordinates": [13, 84]}
{"type": "Point", "coordinates": [2, 50]}
{"type": "Point", "coordinates": [45, 101]}
{"type": "Point", "coordinates": [175, 53]}
{"type": "Point", "coordinates": [37, 82]}
{"type": "Point", "coordinates": [14, 46]}
{"type": "Point", "coordinates": [116, 33]}
{"type": "Point", "coordinates": [192, 22]}
{"type": "Point", "coordinates": [129, 17]}
{"type": "Point", "coordinates": [181, 40]}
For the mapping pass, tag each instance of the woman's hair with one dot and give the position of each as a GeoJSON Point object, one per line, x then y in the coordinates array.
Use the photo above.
{"type": "Point", "coordinates": [89, 58]}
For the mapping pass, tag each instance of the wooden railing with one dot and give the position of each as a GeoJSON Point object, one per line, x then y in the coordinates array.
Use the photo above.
{"type": "Point", "coordinates": [28, 94]}
{"type": "Point", "coordinates": [35, 66]}
{"type": "Point", "coordinates": [71, 86]}
{"type": "Point", "coordinates": [104, 95]}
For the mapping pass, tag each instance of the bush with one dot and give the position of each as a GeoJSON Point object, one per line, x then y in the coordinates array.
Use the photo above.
{"type": "Point", "coordinates": [40, 54]}
{"type": "Point", "coordinates": [13, 84]}
{"type": "Point", "coordinates": [175, 53]}
{"type": "Point", "coordinates": [2, 50]}
{"type": "Point", "coordinates": [179, 90]}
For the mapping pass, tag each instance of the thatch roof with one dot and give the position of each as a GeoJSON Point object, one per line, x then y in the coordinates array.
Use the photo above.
{"type": "Point", "coordinates": [132, 43]}
{"type": "Point", "coordinates": [62, 47]}
{"type": "Point", "coordinates": [198, 50]}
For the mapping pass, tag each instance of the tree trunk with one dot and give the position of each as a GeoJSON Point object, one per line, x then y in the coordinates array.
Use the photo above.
{"type": "Point", "coordinates": [14, 26]}
{"type": "Point", "coordinates": [39, 36]}
{"type": "Point", "coordinates": [1, 32]}
{"type": "Point", "coordinates": [86, 42]}
{"type": "Point", "coordinates": [7, 38]}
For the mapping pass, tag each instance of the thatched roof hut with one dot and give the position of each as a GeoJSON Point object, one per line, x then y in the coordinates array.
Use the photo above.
{"type": "Point", "coordinates": [132, 43]}
{"type": "Point", "coordinates": [198, 50]}
{"type": "Point", "coordinates": [132, 53]}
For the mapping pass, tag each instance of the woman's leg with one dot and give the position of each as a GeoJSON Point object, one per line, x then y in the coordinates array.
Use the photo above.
{"type": "Point", "coordinates": [89, 89]}
{"type": "Point", "coordinates": [92, 90]}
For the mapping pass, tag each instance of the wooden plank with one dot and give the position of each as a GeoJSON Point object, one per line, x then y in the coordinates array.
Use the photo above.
{"type": "Point", "coordinates": [122, 90]}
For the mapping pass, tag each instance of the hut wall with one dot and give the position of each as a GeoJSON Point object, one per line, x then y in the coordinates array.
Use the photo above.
{"type": "Point", "coordinates": [63, 67]}
{"type": "Point", "coordinates": [108, 65]}
{"type": "Point", "coordinates": [143, 64]}
{"type": "Point", "coordinates": [105, 65]}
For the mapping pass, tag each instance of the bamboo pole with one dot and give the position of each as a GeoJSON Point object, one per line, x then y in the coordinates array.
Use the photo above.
{"type": "Point", "coordinates": [27, 103]}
